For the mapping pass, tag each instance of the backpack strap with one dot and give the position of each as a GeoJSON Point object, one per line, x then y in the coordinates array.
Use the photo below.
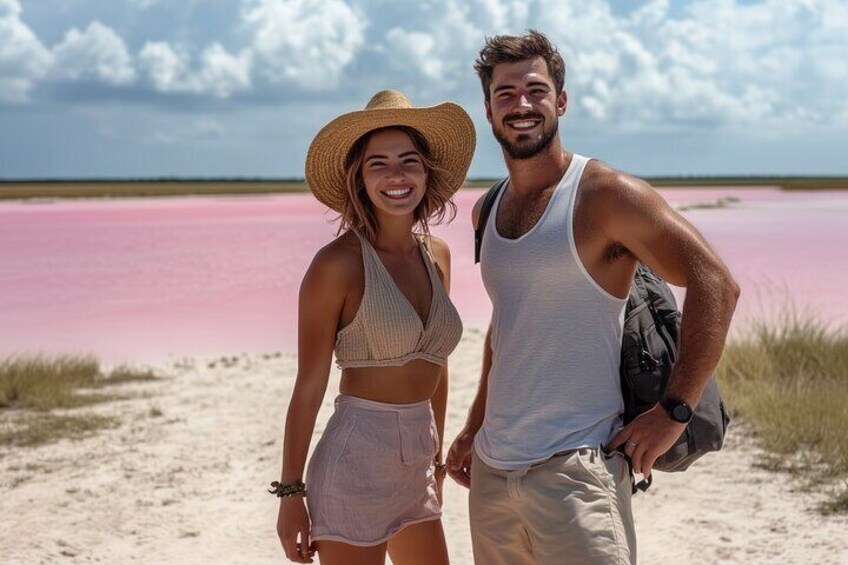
{"type": "Point", "coordinates": [488, 202]}
{"type": "Point", "coordinates": [639, 283]}
{"type": "Point", "coordinates": [638, 295]}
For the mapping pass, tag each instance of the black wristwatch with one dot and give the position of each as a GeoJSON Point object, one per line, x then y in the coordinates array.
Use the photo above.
{"type": "Point", "coordinates": [678, 410]}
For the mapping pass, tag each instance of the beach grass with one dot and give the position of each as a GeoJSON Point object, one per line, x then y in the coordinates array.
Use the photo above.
{"type": "Point", "coordinates": [790, 381]}
{"type": "Point", "coordinates": [38, 429]}
{"type": "Point", "coordinates": [33, 387]}
{"type": "Point", "coordinates": [42, 383]}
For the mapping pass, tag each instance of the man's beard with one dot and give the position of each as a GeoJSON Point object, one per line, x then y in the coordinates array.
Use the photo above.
{"type": "Point", "coordinates": [526, 150]}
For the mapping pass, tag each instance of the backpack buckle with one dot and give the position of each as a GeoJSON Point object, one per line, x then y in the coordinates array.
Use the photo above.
{"type": "Point", "coordinates": [646, 362]}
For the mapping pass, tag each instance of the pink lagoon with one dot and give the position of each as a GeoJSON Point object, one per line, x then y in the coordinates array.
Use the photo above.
{"type": "Point", "coordinates": [156, 279]}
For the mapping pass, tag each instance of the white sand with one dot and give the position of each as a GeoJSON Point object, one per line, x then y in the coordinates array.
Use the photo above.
{"type": "Point", "coordinates": [188, 486]}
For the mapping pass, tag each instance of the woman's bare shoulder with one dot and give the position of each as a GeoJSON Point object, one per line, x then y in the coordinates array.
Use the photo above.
{"type": "Point", "coordinates": [439, 246]}
{"type": "Point", "coordinates": [337, 264]}
{"type": "Point", "coordinates": [440, 252]}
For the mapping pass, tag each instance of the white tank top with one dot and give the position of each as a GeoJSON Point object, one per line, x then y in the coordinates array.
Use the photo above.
{"type": "Point", "coordinates": [556, 341]}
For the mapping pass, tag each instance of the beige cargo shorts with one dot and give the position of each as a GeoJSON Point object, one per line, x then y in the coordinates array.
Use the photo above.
{"type": "Point", "coordinates": [573, 508]}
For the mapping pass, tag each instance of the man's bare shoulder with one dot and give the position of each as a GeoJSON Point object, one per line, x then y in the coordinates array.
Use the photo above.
{"type": "Point", "coordinates": [601, 177]}
{"type": "Point", "coordinates": [606, 186]}
{"type": "Point", "coordinates": [478, 206]}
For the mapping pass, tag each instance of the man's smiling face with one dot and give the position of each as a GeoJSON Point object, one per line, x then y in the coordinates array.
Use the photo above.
{"type": "Point", "coordinates": [524, 107]}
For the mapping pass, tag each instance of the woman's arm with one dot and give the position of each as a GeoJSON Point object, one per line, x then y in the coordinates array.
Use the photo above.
{"type": "Point", "coordinates": [322, 296]}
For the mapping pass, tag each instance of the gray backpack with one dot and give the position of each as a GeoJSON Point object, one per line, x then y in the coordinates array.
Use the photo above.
{"type": "Point", "coordinates": [648, 352]}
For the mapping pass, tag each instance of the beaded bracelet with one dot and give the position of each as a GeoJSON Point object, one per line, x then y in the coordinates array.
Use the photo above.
{"type": "Point", "coordinates": [283, 491]}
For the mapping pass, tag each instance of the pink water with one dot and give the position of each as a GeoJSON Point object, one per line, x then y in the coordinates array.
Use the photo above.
{"type": "Point", "coordinates": [151, 279]}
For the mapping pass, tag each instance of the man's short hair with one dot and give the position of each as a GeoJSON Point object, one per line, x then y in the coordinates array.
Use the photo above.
{"type": "Point", "coordinates": [514, 48]}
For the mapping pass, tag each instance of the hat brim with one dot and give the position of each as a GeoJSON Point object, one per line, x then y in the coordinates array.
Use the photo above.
{"type": "Point", "coordinates": [447, 128]}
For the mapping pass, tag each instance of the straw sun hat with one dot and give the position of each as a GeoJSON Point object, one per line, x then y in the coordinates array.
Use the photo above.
{"type": "Point", "coordinates": [447, 128]}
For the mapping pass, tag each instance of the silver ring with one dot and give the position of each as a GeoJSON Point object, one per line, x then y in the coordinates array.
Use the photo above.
{"type": "Point", "coordinates": [631, 443]}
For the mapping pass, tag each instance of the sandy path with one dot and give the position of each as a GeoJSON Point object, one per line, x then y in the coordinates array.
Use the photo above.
{"type": "Point", "coordinates": [186, 486]}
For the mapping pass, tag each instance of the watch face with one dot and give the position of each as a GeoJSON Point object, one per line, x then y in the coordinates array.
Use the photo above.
{"type": "Point", "coordinates": [681, 413]}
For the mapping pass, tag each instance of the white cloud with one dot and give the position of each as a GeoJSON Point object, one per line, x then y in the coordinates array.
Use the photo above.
{"type": "Point", "coordinates": [220, 74]}
{"type": "Point", "coordinates": [224, 74]}
{"type": "Point", "coordinates": [721, 64]}
{"type": "Point", "coordinates": [23, 58]}
{"type": "Point", "coordinates": [96, 53]}
{"type": "Point", "coordinates": [308, 43]}
{"type": "Point", "coordinates": [432, 51]}
{"type": "Point", "coordinates": [405, 49]}
{"type": "Point", "coordinates": [10, 8]}
{"type": "Point", "coordinates": [167, 68]}
{"type": "Point", "coordinates": [710, 64]}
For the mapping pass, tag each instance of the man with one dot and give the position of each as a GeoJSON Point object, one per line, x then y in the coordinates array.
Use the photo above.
{"type": "Point", "coordinates": [542, 447]}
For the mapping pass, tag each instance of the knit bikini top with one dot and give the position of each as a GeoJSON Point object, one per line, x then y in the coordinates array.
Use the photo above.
{"type": "Point", "coordinates": [386, 330]}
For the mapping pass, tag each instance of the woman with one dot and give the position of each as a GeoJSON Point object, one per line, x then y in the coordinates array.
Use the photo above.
{"type": "Point", "coordinates": [377, 297]}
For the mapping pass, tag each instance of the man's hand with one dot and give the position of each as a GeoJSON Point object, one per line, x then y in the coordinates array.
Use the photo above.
{"type": "Point", "coordinates": [648, 436]}
{"type": "Point", "coordinates": [458, 463]}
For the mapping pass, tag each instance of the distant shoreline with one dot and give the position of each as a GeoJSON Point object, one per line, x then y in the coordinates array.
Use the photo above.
{"type": "Point", "coordinates": [165, 186]}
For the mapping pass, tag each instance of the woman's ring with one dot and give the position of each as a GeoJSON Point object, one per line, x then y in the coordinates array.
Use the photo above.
{"type": "Point", "coordinates": [631, 443]}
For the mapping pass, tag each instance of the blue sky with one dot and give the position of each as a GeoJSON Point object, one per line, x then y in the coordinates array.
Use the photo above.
{"type": "Point", "coordinates": [238, 88]}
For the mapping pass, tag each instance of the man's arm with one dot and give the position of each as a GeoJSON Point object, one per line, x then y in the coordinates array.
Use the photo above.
{"type": "Point", "coordinates": [639, 219]}
{"type": "Point", "coordinates": [459, 457]}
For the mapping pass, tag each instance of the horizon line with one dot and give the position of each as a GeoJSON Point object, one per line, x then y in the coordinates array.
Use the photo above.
{"type": "Point", "coordinates": [301, 180]}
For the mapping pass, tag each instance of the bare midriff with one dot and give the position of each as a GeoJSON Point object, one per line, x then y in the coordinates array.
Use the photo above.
{"type": "Point", "coordinates": [413, 382]}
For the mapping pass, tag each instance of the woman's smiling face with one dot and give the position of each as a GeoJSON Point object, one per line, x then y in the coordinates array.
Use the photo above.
{"type": "Point", "coordinates": [393, 172]}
